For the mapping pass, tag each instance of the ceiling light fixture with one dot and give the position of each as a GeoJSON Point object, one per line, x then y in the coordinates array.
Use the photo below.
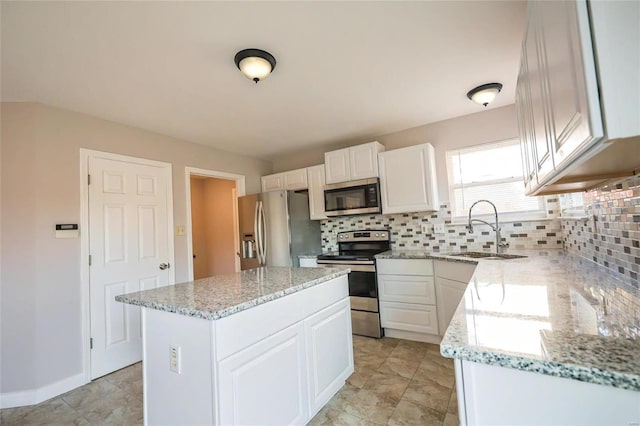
{"type": "Point", "coordinates": [255, 64]}
{"type": "Point", "coordinates": [484, 94]}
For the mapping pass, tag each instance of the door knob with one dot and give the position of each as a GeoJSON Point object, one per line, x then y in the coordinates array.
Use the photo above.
{"type": "Point", "coordinates": [164, 266]}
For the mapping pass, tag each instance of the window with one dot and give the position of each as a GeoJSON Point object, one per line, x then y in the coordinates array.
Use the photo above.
{"type": "Point", "coordinates": [491, 172]}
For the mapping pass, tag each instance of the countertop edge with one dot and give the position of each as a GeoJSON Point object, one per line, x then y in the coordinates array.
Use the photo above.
{"type": "Point", "coordinates": [221, 313]}
{"type": "Point", "coordinates": [549, 368]}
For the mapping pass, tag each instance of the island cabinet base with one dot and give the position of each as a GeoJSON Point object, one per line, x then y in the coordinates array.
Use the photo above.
{"type": "Point", "coordinates": [492, 395]}
{"type": "Point", "coordinates": [277, 363]}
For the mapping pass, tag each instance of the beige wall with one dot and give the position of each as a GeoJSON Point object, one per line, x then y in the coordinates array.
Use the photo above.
{"type": "Point", "coordinates": [220, 226]}
{"type": "Point", "coordinates": [198, 230]}
{"type": "Point", "coordinates": [213, 226]}
{"type": "Point", "coordinates": [40, 282]}
{"type": "Point", "coordinates": [473, 129]}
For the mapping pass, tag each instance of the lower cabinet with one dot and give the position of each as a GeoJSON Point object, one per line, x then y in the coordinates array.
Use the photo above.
{"type": "Point", "coordinates": [409, 317]}
{"type": "Point", "coordinates": [492, 395]}
{"type": "Point", "coordinates": [289, 376]}
{"type": "Point", "coordinates": [449, 295]}
{"type": "Point", "coordinates": [452, 279]}
{"type": "Point", "coordinates": [408, 299]}
{"type": "Point", "coordinates": [329, 353]}
{"type": "Point", "coordinates": [266, 381]}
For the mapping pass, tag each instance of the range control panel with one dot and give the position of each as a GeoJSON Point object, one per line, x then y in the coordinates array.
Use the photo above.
{"type": "Point", "coordinates": [369, 235]}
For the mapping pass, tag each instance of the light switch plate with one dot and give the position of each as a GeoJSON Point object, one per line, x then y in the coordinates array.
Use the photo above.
{"type": "Point", "coordinates": [426, 228]}
{"type": "Point", "coordinates": [438, 228]}
{"type": "Point", "coordinates": [179, 230]}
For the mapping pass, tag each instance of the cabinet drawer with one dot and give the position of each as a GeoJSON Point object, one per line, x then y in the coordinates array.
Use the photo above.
{"type": "Point", "coordinates": [409, 317]}
{"type": "Point", "coordinates": [405, 266]}
{"type": "Point", "coordinates": [407, 289]}
{"type": "Point", "coordinates": [456, 271]}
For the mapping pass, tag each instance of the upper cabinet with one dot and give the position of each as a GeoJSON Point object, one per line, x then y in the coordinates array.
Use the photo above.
{"type": "Point", "coordinates": [315, 177]}
{"type": "Point", "coordinates": [353, 163]}
{"type": "Point", "coordinates": [291, 180]}
{"type": "Point", "coordinates": [578, 76]}
{"type": "Point", "coordinates": [408, 179]}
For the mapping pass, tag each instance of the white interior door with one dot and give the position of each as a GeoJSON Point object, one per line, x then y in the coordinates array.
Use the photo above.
{"type": "Point", "coordinates": [129, 210]}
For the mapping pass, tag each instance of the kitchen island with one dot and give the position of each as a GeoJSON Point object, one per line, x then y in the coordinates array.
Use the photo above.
{"type": "Point", "coordinates": [264, 346]}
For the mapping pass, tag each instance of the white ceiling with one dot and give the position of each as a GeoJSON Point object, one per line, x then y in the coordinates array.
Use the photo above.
{"type": "Point", "coordinates": [345, 71]}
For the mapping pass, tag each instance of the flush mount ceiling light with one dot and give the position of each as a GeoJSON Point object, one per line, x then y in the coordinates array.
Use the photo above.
{"type": "Point", "coordinates": [255, 64]}
{"type": "Point", "coordinates": [484, 94]}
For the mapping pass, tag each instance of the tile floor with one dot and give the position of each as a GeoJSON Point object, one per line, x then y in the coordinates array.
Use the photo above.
{"type": "Point", "coordinates": [396, 382]}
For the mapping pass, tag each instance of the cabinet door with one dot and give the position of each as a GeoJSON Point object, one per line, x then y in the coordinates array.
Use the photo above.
{"type": "Point", "coordinates": [337, 166]}
{"type": "Point", "coordinates": [568, 63]}
{"type": "Point", "coordinates": [408, 180]}
{"type": "Point", "coordinates": [537, 102]}
{"type": "Point", "coordinates": [407, 289]}
{"type": "Point", "coordinates": [525, 127]}
{"type": "Point", "coordinates": [449, 294]}
{"type": "Point", "coordinates": [316, 192]}
{"type": "Point", "coordinates": [272, 182]}
{"type": "Point", "coordinates": [364, 160]}
{"type": "Point", "coordinates": [266, 383]}
{"type": "Point", "coordinates": [295, 179]}
{"type": "Point", "coordinates": [409, 317]}
{"type": "Point", "coordinates": [329, 353]}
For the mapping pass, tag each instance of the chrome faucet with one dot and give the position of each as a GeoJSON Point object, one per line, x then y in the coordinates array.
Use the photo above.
{"type": "Point", "coordinates": [500, 246]}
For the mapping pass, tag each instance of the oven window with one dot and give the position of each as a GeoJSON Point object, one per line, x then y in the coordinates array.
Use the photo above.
{"type": "Point", "coordinates": [345, 199]}
{"type": "Point", "coordinates": [362, 284]}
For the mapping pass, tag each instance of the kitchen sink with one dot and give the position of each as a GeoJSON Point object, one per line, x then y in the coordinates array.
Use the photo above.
{"type": "Point", "coordinates": [487, 256]}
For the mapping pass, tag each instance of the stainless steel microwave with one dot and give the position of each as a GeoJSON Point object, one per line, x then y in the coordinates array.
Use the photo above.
{"type": "Point", "coordinates": [352, 198]}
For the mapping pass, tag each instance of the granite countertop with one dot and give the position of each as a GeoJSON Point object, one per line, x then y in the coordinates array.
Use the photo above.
{"type": "Point", "coordinates": [223, 295]}
{"type": "Point", "coordinates": [552, 313]}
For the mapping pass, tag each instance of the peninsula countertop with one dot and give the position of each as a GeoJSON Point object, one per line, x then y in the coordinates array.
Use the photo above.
{"type": "Point", "coordinates": [551, 312]}
{"type": "Point", "coordinates": [223, 295]}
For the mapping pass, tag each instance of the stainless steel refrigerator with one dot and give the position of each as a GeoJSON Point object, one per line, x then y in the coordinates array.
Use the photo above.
{"type": "Point", "coordinates": [275, 229]}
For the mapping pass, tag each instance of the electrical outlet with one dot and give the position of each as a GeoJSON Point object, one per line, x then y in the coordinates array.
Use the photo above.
{"type": "Point", "coordinates": [426, 228]}
{"type": "Point", "coordinates": [438, 228]}
{"type": "Point", "coordinates": [174, 359]}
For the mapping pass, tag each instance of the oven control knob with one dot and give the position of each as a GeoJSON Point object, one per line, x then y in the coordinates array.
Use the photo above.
{"type": "Point", "coordinates": [377, 235]}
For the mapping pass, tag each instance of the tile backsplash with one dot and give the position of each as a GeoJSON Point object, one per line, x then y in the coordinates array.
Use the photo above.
{"type": "Point", "coordinates": [406, 231]}
{"type": "Point", "coordinates": [610, 236]}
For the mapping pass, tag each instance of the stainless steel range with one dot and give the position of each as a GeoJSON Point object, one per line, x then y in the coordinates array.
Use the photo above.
{"type": "Point", "coordinates": [357, 249]}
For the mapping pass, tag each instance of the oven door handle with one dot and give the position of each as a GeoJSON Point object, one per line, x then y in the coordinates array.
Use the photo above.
{"type": "Point", "coordinates": [354, 268]}
{"type": "Point", "coordinates": [345, 262]}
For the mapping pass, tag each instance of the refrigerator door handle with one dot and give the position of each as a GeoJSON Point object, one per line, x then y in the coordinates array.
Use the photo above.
{"type": "Point", "coordinates": [263, 236]}
{"type": "Point", "coordinates": [256, 230]}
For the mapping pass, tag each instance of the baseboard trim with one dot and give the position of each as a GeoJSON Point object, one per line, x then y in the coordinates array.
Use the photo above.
{"type": "Point", "coordinates": [412, 335]}
{"type": "Point", "coordinates": [36, 396]}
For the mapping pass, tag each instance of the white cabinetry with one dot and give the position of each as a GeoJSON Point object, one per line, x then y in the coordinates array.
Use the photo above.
{"type": "Point", "coordinates": [293, 354]}
{"type": "Point", "coordinates": [408, 179]}
{"type": "Point", "coordinates": [329, 353]}
{"type": "Point", "coordinates": [452, 279]}
{"type": "Point", "coordinates": [315, 177]}
{"type": "Point", "coordinates": [492, 395]}
{"type": "Point", "coordinates": [291, 180]}
{"type": "Point", "coordinates": [273, 182]}
{"type": "Point", "coordinates": [578, 76]}
{"type": "Point", "coordinates": [249, 375]}
{"type": "Point", "coordinates": [353, 163]}
{"type": "Point", "coordinates": [407, 299]}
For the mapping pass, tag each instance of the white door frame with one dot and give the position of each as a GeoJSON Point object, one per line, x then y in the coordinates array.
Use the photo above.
{"type": "Point", "coordinates": [85, 154]}
{"type": "Point", "coordinates": [240, 191]}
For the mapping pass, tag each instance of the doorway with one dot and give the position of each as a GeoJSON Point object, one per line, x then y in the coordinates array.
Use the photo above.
{"type": "Point", "coordinates": [212, 222]}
